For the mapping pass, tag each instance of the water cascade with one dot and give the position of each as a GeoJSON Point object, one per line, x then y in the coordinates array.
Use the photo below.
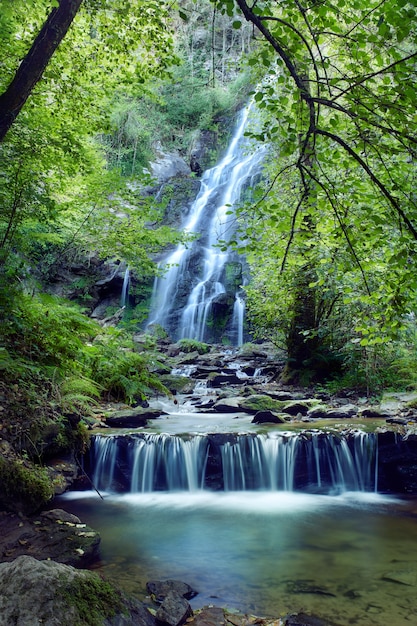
{"type": "Point", "coordinates": [198, 296]}
{"type": "Point", "coordinates": [311, 462]}
{"type": "Point", "coordinates": [125, 288]}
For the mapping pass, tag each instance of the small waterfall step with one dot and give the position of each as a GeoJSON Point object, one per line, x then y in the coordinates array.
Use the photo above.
{"type": "Point", "coordinates": [313, 462]}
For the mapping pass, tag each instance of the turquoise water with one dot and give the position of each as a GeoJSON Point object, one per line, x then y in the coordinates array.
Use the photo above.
{"type": "Point", "coordinates": [350, 558]}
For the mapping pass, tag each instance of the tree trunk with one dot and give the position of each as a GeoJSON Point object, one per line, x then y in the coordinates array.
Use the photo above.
{"type": "Point", "coordinates": [302, 348]}
{"type": "Point", "coordinates": [33, 65]}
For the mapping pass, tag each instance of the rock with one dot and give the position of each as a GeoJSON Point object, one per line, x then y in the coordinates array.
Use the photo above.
{"type": "Point", "coordinates": [374, 412]}
{"type": "Point", "coordinates": [225, 379]}
{"type": "Point", "coordinates": [403, 577]}
{"type": "Point", "coordinates": [342, 412]}
{"type": "Point", "coordinates": [168, 166]}
{"type": "Point", "coordinates": [307, 586]}
{"type": "Point", "coordinates": [132, 418]}
{"type": "Point", "coordinates": [301, 619]}
{"type": "Point", "coordinates": [174, 610]}
{"type": "Point", "coordinates": [262, 417]}
{"type": "Point", "coordinates": [228, 405]}
{"type": "Point", "coordinates": [53, 535]}
{"type": "Point", "coordinates": [259, 402]}
{"type": "Point", "coordinates": [213, 616]}
{"type": "Point", "coordinates": [161, 588]}
{"type": "Point", "coordinates": [402, 421]}
{"type": "Point", "coordinates": [36, 592]}
{"type": "Point", "coordinates": [295, 408]}
{"type": "Point", "coordinates": [59, 515]}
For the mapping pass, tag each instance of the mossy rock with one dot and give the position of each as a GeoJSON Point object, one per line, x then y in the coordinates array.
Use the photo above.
{"type": "Point", "coordinates": [175, 383]}
{"type": "Point", "coordinates": [62, 594]}
{"type": "Point", "coordinates": [260, 402]}
{"type": "Point", "coordinates": [24, 486]}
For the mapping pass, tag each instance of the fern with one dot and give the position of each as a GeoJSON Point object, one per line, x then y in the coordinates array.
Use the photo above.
{"type": "Point", "coordinates": [78, 394]}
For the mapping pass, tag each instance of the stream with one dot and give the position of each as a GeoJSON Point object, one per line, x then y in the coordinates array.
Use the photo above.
{"type": "Point", "coordinates": [348, 557]}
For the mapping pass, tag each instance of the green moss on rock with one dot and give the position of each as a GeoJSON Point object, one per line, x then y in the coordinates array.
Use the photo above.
{"type": "Point", "coordinates": [24, 487]}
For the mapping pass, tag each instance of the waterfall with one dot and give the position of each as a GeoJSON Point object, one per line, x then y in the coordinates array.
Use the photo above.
{"type": "Point", "coordinates": [194, 286]}
{"type": "Point", "coordinates": [310, 462]}
{"type": "Point", "coordinates": [237, 319]}
{"type": "Point", "coordinates": [125, 288]}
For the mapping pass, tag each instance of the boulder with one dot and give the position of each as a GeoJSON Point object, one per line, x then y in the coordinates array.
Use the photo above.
{"type": "Point", "coordinates": [260, 402]}
{"type": "Point", "coordinates": [168, 166]}
{"type": "Point", "coordinates": [342, 412]}
{"type": "Point", "coordinates": [132, 418]}
{"type": "Point", "coordinates": [264, 417]}
{"type": "Point", "coordinates": [225, 379]}
{"type": "Point", "coordinates": [161, 588]}
{"type": "Point", "coordinates": [171, 594]}
{"type": "Point", "coordinates": [36, 592]}
{"type": "Point", "coordinates": [228, 405]}
{"type": "Point", "coordinates": [174, 610]}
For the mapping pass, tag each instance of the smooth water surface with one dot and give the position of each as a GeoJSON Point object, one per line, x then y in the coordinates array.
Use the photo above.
{"type": "Point", "coordinates": [349, 558]}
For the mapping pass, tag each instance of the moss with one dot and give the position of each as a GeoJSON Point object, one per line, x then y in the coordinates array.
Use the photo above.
{"type": "Point", "coordinates": [191, 345]}
{"type": "Point", "coordinates": [262, 403]}
{"type": "Point", "coordinates": [24, 487]}
{"type": "Point", "coordinates": [94, 599]}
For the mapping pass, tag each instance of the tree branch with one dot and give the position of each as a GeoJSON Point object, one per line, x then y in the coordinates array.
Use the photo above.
{"type": "Point", "coordinates": [385, 192]}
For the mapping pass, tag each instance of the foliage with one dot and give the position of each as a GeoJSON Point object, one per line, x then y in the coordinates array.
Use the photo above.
{"type": "Point", "coordinates": [123, 373]}
{"type": "Point", "coordinates": [192, 345]}
{"type": "Point", "coordinates": [55, 187]}
{"type": "Point", "coordinates": [336, 95]}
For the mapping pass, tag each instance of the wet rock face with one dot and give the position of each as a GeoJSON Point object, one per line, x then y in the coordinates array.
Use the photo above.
{"type": "Point", "coordinates": [45, 592]}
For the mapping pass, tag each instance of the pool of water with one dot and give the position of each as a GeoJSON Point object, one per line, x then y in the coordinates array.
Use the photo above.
{"type": "Point", "coordinates": [350, 559]}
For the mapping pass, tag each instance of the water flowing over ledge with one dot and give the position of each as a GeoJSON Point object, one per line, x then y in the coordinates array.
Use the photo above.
{"type": "Point", "coordinates": [311, 463]}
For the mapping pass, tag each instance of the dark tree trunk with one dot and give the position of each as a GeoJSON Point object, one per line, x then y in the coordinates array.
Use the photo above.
{"type": "Point", "coordinates": [33, 65]}
{"type": "Point", "coordinates": [302, 348]}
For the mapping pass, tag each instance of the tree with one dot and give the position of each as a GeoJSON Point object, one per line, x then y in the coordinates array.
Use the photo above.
{"type": "Point", "coordinates": [337, 88]}
{"type": "Point", "coordinates": [51, 167]}
{"type": "Point", "coordinates": [37, 58]}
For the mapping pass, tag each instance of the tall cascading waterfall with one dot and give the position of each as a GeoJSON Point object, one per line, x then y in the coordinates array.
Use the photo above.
{"type": "Point", "coordinates": [200, 278]}
{"type": "Point", "coordinates": [317, 463]}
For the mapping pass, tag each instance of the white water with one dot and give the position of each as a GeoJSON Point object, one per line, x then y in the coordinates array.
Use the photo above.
{"type": "Point", "coordinates": [125, 288]}
{"type": "Point", "coordinates": [320, 463]}
{"type": "Point", "coordinates": [211, 216]}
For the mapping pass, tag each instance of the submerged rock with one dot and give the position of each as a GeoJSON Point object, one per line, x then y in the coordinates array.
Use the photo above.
{"type": "Point", "coordinates": [302, 619]}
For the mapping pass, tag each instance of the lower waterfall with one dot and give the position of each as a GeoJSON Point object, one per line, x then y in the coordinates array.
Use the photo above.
{"type": "Point", "coordinates": [309, 462]}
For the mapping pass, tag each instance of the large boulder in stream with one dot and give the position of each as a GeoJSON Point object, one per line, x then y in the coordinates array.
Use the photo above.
{"type": "Point", "coordinates": [36, 592]}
